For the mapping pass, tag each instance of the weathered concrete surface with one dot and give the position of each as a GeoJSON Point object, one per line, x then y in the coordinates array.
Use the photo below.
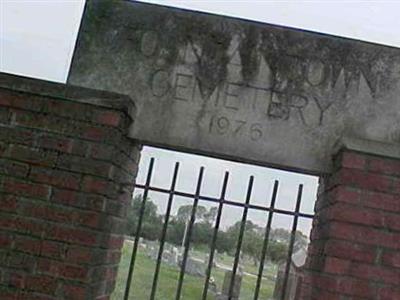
{"type": "Point", "coordinates": [239, 89]}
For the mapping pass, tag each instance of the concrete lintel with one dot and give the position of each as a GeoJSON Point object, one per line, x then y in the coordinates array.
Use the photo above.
{"type": "Point", "coordinates": [236, 89]}
{"type": "Point", "coordinates": [369, 147]}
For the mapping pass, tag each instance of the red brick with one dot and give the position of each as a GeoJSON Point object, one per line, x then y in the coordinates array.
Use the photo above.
{"type": "Point", "coordinates": [8, 203]}
{"type": "Point", "coordinates": [80, 148]}
{"type": "Point", "coordinates": [98, 186]}
{"type": "Point", "coordinates": [346, 250]}
{"type": "Point", "coordinates": [4, 115]}
{"type": "Point", "coordinates": [3, 148]}
{"type": "Point", "coordinates": [73, 272]}
{"type": "Point", "coordinates": [345, 194]}
{"type": "Point", "coordinates": [364, 180]}
{"type": "Point", "coordinates": [21, 100]}
{"type": "Point", "coordinates": [389, 293]}
{"type": "Point", "coordinates": [5, 240]}
{"type": "Point", "coordinates": [110, 118]}
{"type": "Point", "coordinates": [55, 143]}
{"type": "Point", "coordinates": [34, 296]}
{"type": "Point", "coordinates": [360, 234]}
{"type": "Point", "coordinates": [47, 212]}
{"type": "Point", "coordinates": [42, 284]}
{"type": "Point", "coordinates": [326, 282]}
{"type": "Point", "coordinates": [21, 225]}
{"type": "Point", "coordinates": [68, 109]}
{"type": "Point", "coordinates": [384, 166]}
{"type": "Point", "coordinates": [353, 160]}
{"type": "Point", "coordinates": [13, 168]}
{"type": "Point", "coordinates": [71, 198]}
{"type": "Point", "coordinates": [60, 269]}
{"type": "Point", "coordinates": [48, 267]}
{"type": "Point", "coordinates": [33, 156]}
{"type": "Point", "coordinates": [39, 121]}
{"type": "Point", "coordinates": [381, 201]}
{"type": "Point", "coordinates": [358, 288]}
{"type": "Point", "coordinates": [96, 133]}
{"type": "Point", "coordinates": [392, 222]}
{"type": "Point", "coordinates": [391, 258]}
{"type": "Point", "coordinates": [396, 186]}
{"type": "Point", "coordinates": [6, 98]}
{"type": "Point", "coordinates": [103, 152]}
{"type": "Point", "coordinates": [116, 208]}
{"type": "Point", "coordinates": [55, 178]}
{"type": "Point", "coordinates": [85, 165]}
{"type": "Point", "coordinates": [325, 295]}
{"type": "Point", "coordinates": [23, 188]}
{"type": "Point", "coordinates": [114, 242]}
{"type": "Point", "coordinates": [27, 244]}
{"type": "Point", "coordinates": [356, 214]}
{"type": "Point", "coordinates": [375, 273]}
{"type": "Point", "coordinates": [113, 257]}
{"type": "Point", "coordinates": [73, 235]}
{"type": "Point", "coordinates": [15, 135]}
{"type": "Point", "coordinates": [105, 273]}
{"type": "Point", "coordinates": [125, 197]}
{"type": "Point", "coordinates": [52, 249]}
{"type": "Point", "coordinates": [81, 255]}
{"type": "Point", "coordinates": [75, 292]}
{"type": "Point", "coordinates": [7, 293]}
{"type": "Point", "coordinates": [88, 219]}
{"type": "Point", "coordinates": [22, 261]}
{"type": "Point", "coordinates": [336, 266]}
{"type": "Point", "coordinates": [16, 280]}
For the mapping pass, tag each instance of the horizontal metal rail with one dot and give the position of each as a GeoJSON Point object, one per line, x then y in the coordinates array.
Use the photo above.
{"type": "Point", "coordinates": [228, 202]}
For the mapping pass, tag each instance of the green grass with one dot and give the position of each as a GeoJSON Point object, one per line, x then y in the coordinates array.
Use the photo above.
{"type": "Point", "coordinates": [168, 281]}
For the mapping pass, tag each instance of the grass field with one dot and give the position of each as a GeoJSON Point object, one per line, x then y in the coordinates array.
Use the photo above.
{"type": "Point", "coordinates": [168, 281]}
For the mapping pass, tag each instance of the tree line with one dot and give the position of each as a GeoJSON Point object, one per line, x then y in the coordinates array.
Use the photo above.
{"type": "Point", "coordinates": [203, 228]}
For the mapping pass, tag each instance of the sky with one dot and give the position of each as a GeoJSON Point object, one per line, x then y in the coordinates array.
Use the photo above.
{"type": "Point", "coordinates": [37, 39]}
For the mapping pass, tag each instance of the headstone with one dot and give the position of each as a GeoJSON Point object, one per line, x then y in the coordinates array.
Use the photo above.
{"type": "Point", "coordinates": [195, 267]}
{"type": "Point", "coordinates": [226, 286]}
{"type": "Point", "coordinates": [298, 260]}
{"type": "Point", "coordinates": [152, 252]}
{"type": "Point", "coordinates": [207, 257]}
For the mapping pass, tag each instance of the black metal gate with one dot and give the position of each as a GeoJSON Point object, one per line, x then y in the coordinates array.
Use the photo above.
{"type": "Point", "coordinates": [222, 201]}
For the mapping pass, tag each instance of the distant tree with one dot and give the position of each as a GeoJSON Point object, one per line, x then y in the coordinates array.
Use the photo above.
{"type": "Point", "coordinates": [185, 211]}
{"type": "Point", "coordinates": [282, 235]}
{"type": "Point", "coordinates": [151, 224]}
{"type": "Point", "coordinates": [277, 251]}
{"type": "Point", "coordinates": [175, 231]}
{"type": "Point", "coordinates": [202, 233]}
{"type": "Point", "coordinates": [301, 241]}
{"type": "Point", "coordinates": [224, 242]}
{"type": "Point", "coordinates": [210, 215]}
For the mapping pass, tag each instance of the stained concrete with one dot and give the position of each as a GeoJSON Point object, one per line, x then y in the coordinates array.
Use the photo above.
{"type": "Point", "coordinates": [239, 89]}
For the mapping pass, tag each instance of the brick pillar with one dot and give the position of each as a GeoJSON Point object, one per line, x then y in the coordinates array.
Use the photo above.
{"type": "Point", "coordinates": [355, 241]}
{"type": "Point", "coordinates": [67, 171]}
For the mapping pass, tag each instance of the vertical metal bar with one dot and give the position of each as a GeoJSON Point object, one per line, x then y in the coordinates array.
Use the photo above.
{"type": "Point", "coordinates": [214, 238]}
{"type": "Point", "coordinates": [189, 234]}
{"type": "Point", "coordinates": [266, 238]}
{"type": "Point", "coordinates": [138, 229]}
{"type": "Point", "coordinates": [292, 240]}
{"type": "Point", "coordinates": [164, 232]}
{"type": "Point", "coordinates": [240, 239]}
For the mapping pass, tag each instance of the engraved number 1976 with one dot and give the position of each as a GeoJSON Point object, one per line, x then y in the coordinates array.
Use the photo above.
{"type": "Point", "coordinates": [222, 125]}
